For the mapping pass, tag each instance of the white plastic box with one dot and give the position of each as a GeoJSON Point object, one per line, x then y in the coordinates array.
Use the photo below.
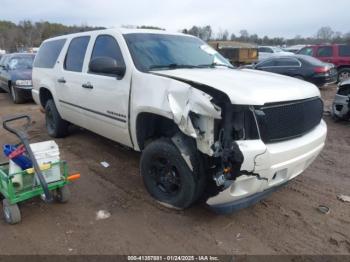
{"type": "Point", "coordinates": [48, 153]}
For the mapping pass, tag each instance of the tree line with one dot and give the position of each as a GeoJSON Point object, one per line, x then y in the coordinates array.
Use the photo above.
{"type": "Point", "coordinates": [324, 35]}
{"type": "Point", "coordinates": [25, 34]}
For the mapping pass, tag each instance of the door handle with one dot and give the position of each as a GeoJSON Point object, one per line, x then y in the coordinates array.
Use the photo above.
{"type": "Point", "coordinates": [87, 85]}
{"type": "Point", "coordinates": [61, 80]}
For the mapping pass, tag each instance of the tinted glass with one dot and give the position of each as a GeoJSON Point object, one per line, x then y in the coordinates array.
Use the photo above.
{"type": "Point", "coordinates": [160, 51]}
{"type": "Point", "coordinates": [306, 51]}
{"type": "Point", "coordinates": [21, 62]}
{"type": "Point", "coordinates": [311, 60]}
{"type": "Point", "coordinates": [344, 50]}
{"type": "Point", "coordinates": [325, 51]}
{"type": "Point", "coordinates": [287, 62]}
{"type": "Point", "coordinates": [5, 60]}
{"type": "Point", "coordinates": [265, 50]}
{"type": "Point", "coordinates": [266, 63]}
{"type": "Point", "coordinates": [2, 60]}
{"type": "Point", "coordinates": [48, 53]}
{"type": "Point", "coordinates": [76, 53]}
{"type": "Point", "coordinates": [107, 46]}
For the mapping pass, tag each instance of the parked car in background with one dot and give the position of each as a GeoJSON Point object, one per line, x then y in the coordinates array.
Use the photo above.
{"type": "Point", "coordinates": [270, 51]}
{"type": "Point", "coordinates": [339, 55]}
{"type": "Point", "coordinates": [341, 103]}
{"type": "Point", "coordinates": [294, 48]}
{"type": "Point", "coordinates": [299, 66]}
{"type": "Point", "coordinates": [16, 75]}
{"type": "Point", "coordinates": [205, 129]}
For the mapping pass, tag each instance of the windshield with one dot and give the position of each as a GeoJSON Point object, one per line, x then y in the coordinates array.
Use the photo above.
{"type": "Point", "coordinates": [158, 51]}
{"type": "Point", "coordinates": [22, 62]}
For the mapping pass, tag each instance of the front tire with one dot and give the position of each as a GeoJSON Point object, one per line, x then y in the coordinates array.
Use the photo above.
{"type": "Point", "coordinates": [55, 125]}
{"type": "Point", "coordinates": [16, 96]}
{"type": "Point", "coordinates": [166, 175]}
{"type": "Point", "coordinates": [343, 74]}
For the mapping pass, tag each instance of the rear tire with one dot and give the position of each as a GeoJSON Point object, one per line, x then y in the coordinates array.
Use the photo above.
{"type": "Point", "coordinates": [62, 194]}
{"type": "Point", "coordinates": [55, 125]}
{"type": "Point", "coordinates": [343, 74]}
{"type": "Point", "coordinates": [16, 95]}
{"type": "Point", "coordinates": [166, 175]}
{"type": "Point", "coordinates": [12, 214]}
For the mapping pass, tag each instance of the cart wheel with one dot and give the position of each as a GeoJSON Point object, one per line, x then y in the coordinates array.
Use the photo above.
{"type": "Point", "coordinates": [11, 212]}
{"type": "Point", "coordinates": [63, 194]}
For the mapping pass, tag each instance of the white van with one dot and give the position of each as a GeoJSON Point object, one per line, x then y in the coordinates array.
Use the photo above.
{"type": "Point", "coordinates": [207, 131]}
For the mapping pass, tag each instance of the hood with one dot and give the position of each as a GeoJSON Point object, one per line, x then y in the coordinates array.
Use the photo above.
{"type": "Point", "coordinates": [22, 74]}
{"type": "Point", "coordinates": [246, 86]}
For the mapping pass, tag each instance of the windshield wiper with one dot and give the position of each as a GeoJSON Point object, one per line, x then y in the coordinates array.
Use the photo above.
{"type": "Point", "coordinates": [171, 66]}
{"type": "Point", "coordinates": [178, 66]}
{"type": "Point", "coordinates": [214, 65]}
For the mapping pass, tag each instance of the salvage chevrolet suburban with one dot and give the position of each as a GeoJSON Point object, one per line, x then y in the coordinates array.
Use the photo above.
{"type": "Point", "coordinates": [206, 130]}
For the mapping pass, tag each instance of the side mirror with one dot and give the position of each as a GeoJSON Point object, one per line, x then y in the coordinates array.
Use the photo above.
{"type": "Point", "coordinates": [106, 65]}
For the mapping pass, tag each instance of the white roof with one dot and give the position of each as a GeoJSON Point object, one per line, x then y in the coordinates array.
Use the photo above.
{"type": "Point", "coordinates": [119, 31]}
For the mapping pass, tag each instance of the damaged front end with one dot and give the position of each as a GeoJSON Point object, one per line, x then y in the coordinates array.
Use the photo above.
{"type": "Point", "coordinates": [217, 126]}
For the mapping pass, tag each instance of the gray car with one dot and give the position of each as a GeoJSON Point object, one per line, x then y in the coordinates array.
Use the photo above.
{"type": "Point", "coordinates": [16, 75]}
{"type": "Point", "coordinates": [341, 103]}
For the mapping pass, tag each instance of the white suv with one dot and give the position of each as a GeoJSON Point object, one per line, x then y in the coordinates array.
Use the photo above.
{"type": "Point", "coordinates": [207, 131]}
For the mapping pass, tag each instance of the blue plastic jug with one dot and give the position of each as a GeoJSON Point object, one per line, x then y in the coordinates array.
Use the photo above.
{"type": "Point", "coordinates": [22, 161]}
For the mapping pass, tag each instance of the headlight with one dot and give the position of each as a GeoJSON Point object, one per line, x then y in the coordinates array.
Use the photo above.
{"type": "Point", "coordinates": [23, 82]}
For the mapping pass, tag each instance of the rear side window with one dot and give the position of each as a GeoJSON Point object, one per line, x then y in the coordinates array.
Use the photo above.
{"type": "Point", "coordinates": [311, 61]}
{"type": "Point", "coordinates": [107, 46]}
{"type": "Point", "coordinates": [306, 51]}
{"type": "Point", "coordinates": [325, 51]}
{"type": "Point", "coordinates": [344, 50]}
{"type": "Point", "coordinates": [267, 63]}
{"type": "Point", "coordinates": [76, 53]}
{"type": "Point", "coordinates": [287, 62]}
{"type": "Point", "coordinates": [48, 53]}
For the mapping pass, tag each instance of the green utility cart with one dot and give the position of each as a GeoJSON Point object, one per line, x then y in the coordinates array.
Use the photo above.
{"type": "Point", "coordinates": [33, 180]}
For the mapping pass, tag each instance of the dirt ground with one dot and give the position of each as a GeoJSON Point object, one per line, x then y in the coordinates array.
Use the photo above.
{"type": "Point", "coordinates": [287, 222]}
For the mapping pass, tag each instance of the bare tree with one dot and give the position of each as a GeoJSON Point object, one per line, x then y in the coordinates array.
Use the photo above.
{"type": "Point", "coordinates": [225, 35]}
{"type": "Point", "coordinates": [244, 35]}
{"type": "Point", "coordinates": [325, 33]}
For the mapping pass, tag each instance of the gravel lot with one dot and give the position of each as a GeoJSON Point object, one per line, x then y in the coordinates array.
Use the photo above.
{"type": "Point", "coordinates": [287, 222]}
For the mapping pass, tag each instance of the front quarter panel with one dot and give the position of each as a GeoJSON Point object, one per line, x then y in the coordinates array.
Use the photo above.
{"type": "Point", "coordinates": [172, 99]}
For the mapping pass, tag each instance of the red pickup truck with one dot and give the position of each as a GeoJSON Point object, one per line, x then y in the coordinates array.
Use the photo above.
{"type": "Point", "coordinates": [339, 55]}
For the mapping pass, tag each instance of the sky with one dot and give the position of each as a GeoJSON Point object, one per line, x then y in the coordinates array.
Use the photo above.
{"type": "Point", "coordinates": [284, 18]}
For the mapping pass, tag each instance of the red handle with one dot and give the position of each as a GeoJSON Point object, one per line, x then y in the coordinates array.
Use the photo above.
{"type": "Point", "coordinates": [19, 151]}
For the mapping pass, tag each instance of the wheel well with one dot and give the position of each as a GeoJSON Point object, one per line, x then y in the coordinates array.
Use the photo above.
{"type": "Point", "coordinates": [45, 95]}
{"type": "Point", "coordinates": [150, 126]}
